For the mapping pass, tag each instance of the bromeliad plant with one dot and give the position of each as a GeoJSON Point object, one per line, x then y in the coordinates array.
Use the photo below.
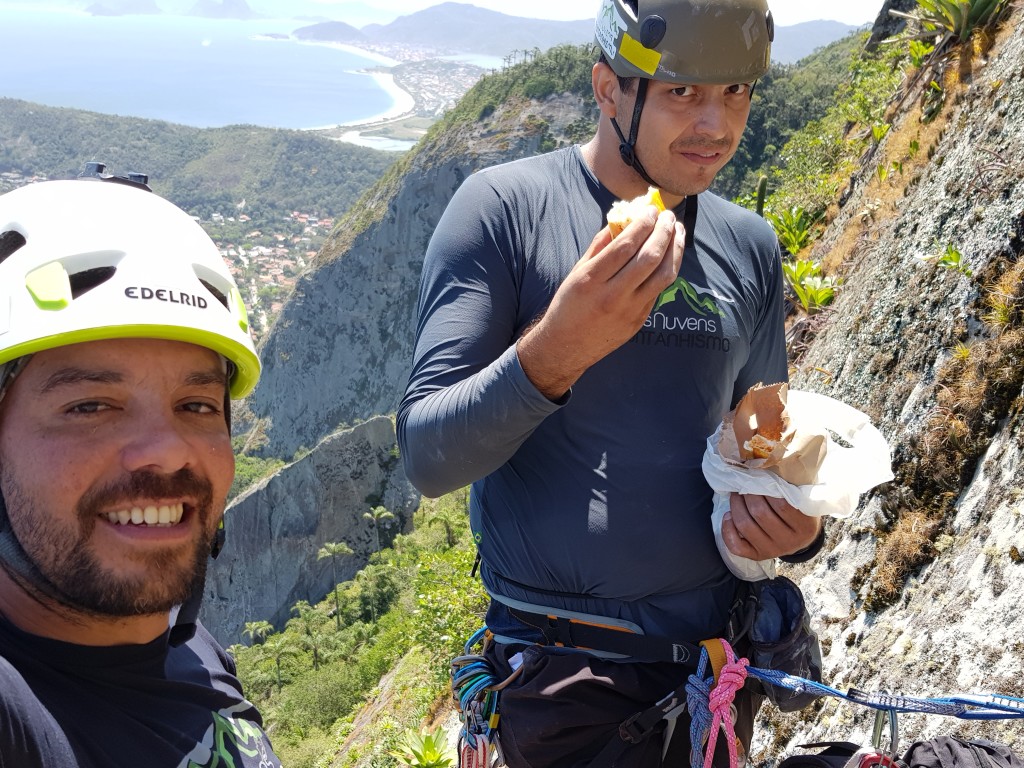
{"type": "Point", "coordinates": [953, 19]}
{"type": "Point", "coordinates": [793, 226]}
{"type": "Point", "coordinates": [813, 290]}
{"type": "Point", "coordinates": [423, 749]}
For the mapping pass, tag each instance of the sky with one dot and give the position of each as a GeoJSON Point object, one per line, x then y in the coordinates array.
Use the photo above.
{"type": "Point", "coordinates": [362, 12]}
{"type": "Point", "coordinates": [787, 12]}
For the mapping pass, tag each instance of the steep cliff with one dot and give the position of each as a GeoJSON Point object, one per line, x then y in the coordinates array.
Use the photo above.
{"type": "Point", "coordinates": [341, 348]}
{"type": "Point", "coordinates": [276, 529]}
{"type": "Point", "coordinates": [918, 593]}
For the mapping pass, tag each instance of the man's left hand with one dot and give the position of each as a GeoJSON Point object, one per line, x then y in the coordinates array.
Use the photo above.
{"type": "Point", "coordinates": [762, 527]}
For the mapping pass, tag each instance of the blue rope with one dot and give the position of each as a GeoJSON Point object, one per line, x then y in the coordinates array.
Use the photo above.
{"type": "Point", "coordinates": [698, 704]}
{"type": "Point", "coordinates": [963, 706]}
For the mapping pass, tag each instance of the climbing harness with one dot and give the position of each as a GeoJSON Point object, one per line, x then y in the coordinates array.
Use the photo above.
{"type": "Point", "coordinates": [709, 700]}
{"type": "Point", "coordinates": [771, 620]}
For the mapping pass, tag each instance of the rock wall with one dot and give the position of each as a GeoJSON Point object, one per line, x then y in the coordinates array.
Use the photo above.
{"type": "Point", "coordinates": [341, 348]}
{"type": "Point", "coordinates": [274, 531]}
{"type": "Point", "coordinates": [885, 347]}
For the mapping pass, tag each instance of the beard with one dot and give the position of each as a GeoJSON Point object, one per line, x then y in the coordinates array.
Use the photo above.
{"type": "Point", "coordinates": [62, 553]}
{"type": "Point", "coordinates": [699, 182]}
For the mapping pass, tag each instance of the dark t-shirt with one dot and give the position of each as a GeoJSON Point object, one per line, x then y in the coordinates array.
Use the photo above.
{"type": "Point", "coordinates": [155, 705]}
{"type": "Point", "coordinates": [596, 504]}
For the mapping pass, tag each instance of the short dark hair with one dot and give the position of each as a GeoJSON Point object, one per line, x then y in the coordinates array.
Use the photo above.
{"type": "Point", "coordinates": [625, 83]}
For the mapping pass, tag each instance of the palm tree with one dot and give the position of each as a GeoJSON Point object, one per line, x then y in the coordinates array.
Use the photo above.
{"type": "Point", "coordinates": [234, 649]}
{"type": "Point", "coordinates": [307, 623]}
{"type": "Point", "coordinates": [257, 630]}
{"type": "Point", "coordinates": [376, 516]}
{"type": "Point", "coordinates": [278, 647]}
{"type": "Point", "coordinates": [334, 550]}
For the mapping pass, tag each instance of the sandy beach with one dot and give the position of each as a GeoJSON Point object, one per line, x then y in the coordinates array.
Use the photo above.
{"type": "Point", "coordinates": [402, 105]}
{"type": "Point", "coordinates": [402, 102]}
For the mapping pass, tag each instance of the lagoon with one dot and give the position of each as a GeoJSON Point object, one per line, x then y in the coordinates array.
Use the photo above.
{"type": "Point", "coordinates": [198, 72]}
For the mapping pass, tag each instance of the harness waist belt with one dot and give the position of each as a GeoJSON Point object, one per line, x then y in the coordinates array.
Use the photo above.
{"type": "Point", "coordinates": [568, 632]}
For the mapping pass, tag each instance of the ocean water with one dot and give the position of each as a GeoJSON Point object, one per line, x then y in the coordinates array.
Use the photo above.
{"type": "Point", "coordinates": [198, 72]}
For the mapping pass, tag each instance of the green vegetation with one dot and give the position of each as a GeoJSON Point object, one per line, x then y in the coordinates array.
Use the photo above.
{"type": "Point", "coordinates": [563, 69]}
{"type": "Point", "coordinates": [793, 226]}
{"type": "Point", "coordinates": [821, 156]}
{"type": "Point", "coordinates": [955, 19]}
{"type": "Point", "coordinates": [249, 470]}
{"type": "Point", "coordinates": [202, 170]}
{"type": "Point", "coordinates": [423, 749]}
{"type": "Point", "coordinates": [334, 550]}
{"type": "Point", "coordinates": [949, 258]}
{"type": "Point", "coordinates": [813, 290]}
{"type": "Point", "coordinates": [311, 679]}
{"type": "Point", "coordinates": [785, 100]}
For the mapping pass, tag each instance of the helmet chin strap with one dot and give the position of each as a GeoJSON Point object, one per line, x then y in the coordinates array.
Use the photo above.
{"type": "Point", "coordinates": [627, 149]}
{"type": "Point", "coordinates": [16, 562]}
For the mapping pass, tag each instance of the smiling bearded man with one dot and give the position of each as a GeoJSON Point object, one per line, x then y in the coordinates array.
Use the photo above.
{"type": "Point", "coordinates": [115, 465]}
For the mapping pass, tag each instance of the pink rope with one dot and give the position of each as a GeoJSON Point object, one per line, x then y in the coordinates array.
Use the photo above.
{"type": "Point", "coordinates": [730, 680]}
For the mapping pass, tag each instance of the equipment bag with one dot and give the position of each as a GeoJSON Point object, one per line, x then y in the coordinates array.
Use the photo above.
{"type": "Point", "coordinates": [951, 752]}
{"type": "Point", "coordinates": [774, 619]}
{"type": "Point", "coordinates": [836, 754]}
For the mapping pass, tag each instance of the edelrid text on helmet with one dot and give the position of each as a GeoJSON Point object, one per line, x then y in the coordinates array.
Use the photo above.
{"type": "Point", "coordinates": [86, 260]}
{"type": "Point", "coordinates": [687, 41]}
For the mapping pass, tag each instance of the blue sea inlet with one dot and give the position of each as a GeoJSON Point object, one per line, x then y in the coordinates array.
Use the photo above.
{"type": "Point", "coordinates": [198, 72]}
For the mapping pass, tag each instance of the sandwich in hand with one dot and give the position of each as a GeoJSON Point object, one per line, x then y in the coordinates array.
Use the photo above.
{"type": "Point", "coordinates": [624, 211]}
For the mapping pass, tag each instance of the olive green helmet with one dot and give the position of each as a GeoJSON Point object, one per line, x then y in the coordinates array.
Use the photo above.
{"type": "Point", "coordinates": [687, 41]}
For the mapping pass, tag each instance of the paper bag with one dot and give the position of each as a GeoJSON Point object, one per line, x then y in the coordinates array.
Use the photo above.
{"type": "Point", "coordinates": [831, 450]}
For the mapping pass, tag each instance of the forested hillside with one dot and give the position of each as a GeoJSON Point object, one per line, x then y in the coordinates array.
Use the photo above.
{"type": "Point", "coordinates": [203, 170]}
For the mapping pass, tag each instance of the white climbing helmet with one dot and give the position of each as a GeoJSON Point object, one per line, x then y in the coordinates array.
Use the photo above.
{"type": "Point", "coordinates": [85, 260]}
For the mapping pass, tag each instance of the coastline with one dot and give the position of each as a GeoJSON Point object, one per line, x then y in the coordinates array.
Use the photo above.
{"type": "Point", "coordinates": [403, 103]}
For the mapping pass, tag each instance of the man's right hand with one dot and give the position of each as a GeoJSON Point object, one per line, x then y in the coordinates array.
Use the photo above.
{"type": "Point", "coordinates": [603, 302]}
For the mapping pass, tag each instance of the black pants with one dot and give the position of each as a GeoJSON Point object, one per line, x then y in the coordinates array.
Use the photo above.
{"type": "Point", "coordinates": [564, 709]}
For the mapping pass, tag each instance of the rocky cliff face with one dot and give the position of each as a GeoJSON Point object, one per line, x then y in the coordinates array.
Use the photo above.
{"type": "Point", "coordinates": [341, 349]}
{"type": "Point", "coordinates": [919, 592]}
{"type": "Point", "coordinates": [276, 529]}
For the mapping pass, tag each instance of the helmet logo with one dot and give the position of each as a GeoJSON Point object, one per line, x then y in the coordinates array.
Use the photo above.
{"type": "Point", "coordinates": [165, 294]}
{"type": "Point", "coordinates": [608, 26]}
{"type": "Point", "coordinates": [750, 31]}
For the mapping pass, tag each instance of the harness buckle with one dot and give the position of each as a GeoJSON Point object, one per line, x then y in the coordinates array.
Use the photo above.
{"type": "Point", "coordinates": [631, 732]}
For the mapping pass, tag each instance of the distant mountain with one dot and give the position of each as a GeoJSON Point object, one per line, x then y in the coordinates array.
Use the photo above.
{"type": "Point", "coordinates": [468, 29]}
{"type": "Point", "coordinates": [224, 9]}
{"type": "Point", "coordinates": [797, 41]}
{"type": "Point", "coordinates": [124, 8]}
{"type": "Point", "coordinates": [330, 31]}
{"type": "Point", "coordinates": [358, 13]}
{"type": "Point", "coordinates": [464, 28]}
{"type": "Point", "coordinates": [201, 169]}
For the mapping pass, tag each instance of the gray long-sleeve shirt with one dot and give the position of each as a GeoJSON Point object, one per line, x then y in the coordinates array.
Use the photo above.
{"type": "Point", "coordinates": [597, 503]}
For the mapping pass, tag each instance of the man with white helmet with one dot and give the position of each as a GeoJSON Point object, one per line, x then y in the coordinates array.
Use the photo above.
{"type": "Point", "coordinates": [122, 340]}
{"type": "Point", "coordinates": [544, 375]}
